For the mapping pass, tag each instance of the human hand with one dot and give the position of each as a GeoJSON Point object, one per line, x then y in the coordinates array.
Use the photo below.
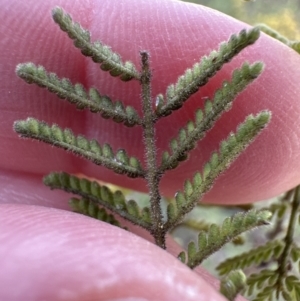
{"type": "Point", "coordinates": [56, 255]}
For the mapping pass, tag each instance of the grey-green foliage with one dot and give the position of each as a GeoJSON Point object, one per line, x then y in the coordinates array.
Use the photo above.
{"type": "Point", "coordinates": [230, 148]}
{"type": "Point", "coordinates": [217, 236]}
{"type": "Point", "coordinates": [196, 77]}
{"type": "Point", "coordinates": [92, 194]}
{"type": "Point", "coordinates": [257, 256]}
{"type": "Point", "coordinates": [102, 195]}
{"type": "Point", "coordinates": [265, 279]}
{"type": "Point", "coordinates": [266, 283]}
{"type": "Point", "coordinates": [100, 53]}
{"type": "Point", "coordinates": [79, 145]}
{"type": "Point", "coordinates": [78, 95]}
{"type": "Point", "coordinates": [205, 119]}
{"type": "Point", "coordinates": [278, 259]}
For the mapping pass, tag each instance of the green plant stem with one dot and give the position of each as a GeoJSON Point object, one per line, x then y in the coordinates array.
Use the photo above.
{"type": "Point", "coordinates": [152, 174]}
{"type": "Point", "coordinates": [283, 260]}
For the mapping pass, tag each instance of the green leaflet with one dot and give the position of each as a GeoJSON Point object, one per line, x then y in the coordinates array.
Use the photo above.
{"type": "Point", "coordinates": [91, 150]}
{"type": "Point", "coordinates": [201, 72]}
{"type": "Point", "coordinates": [182, 257]}
{"type": "Point", "coordinates": [229, 151]}
{"type": "Point", "coordinates": [101, 195]}
{"type": "Point", "coordinates": [295, 253]}
{"type": "Point", "coordinates": [217, 236]}
{"type": "Point", "coordinates": [176, 210]}
{"type": "Point", "coordinates": [271, 250]}
{"type": "Point", "coordinates": [292, 283]}
{"type": "Point", "coordinates": [100, 53]}
{"type": "Point", "coordinates": [205, 120]}
{"type": "Point", "coordinates": [89, 208]}
{"type": "Point", "coordinates": [266, 279]}
{"type": "Point", "coordinates": [76, 94]}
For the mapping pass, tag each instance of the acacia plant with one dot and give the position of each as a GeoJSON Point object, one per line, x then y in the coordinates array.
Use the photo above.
{"type": "Point", "coordinates": [100, 201]}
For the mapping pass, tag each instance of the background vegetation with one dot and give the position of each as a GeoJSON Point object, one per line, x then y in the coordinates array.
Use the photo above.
{"type": "Point", "coordinates": [282, 15]}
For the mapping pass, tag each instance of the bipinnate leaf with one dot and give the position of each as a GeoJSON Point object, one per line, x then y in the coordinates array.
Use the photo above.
{"type": "Point", "coordinates": [265, 286]}
{"type": "Point", "coordinates": [91, 209]}
{"type": "Point", "coordinates": [217, 236]}
{"type": "Point", "coordinates": [92, 194]}
{"type": "Point", "coordinates": [233, 284]}
{"type": "Point", "coordinates": [79, 145]}
{"type": "Point", "coordinates": [190, 82]}
{"type": "Point", "coordinates": [100, 195]}
{"type": "Point", "coordinates": [230, 149]}
{"type": "Point", "coordinates": [205, 119]}
{"type": "Point", "coordinates": [100, 53]}
{"type": "Point", "coordinates": [271, 251]}
{"type": "Point", "coordinates": [76, 94]}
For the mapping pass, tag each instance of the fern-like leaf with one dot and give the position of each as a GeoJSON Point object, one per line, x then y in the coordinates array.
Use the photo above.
{"type": "Point", "coordinates": [230, 149]}
{"type": "Point", "coordinates": [100, 53]}
{"type": "Point", "coordinates": [91, 150]}
{"type": "Point", "coordinates": [76, 94]}
{"type": "Point", "coordinates": [206, 119]}
{"type": "Point", "coordinates": [217, 236]}
{"type": "Point", "coordinates": [89, 208]}
{"type": "Point", "coordinates": [270, 251]}
{"type": "Point", "coordinates": [201, 72]}
{"type": "Point", "coordinates": [265, 285]}
{"type": "Point", "coordinates": [265, 279]}
{"type": "Point", "coordinates": [101, 195]}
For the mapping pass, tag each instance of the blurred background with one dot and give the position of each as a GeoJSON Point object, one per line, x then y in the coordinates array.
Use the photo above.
{"type": "Point", "coordinates": [281, 15]}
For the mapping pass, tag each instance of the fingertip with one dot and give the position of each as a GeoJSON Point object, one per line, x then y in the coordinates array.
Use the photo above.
{"type": "Point", "coordinates": [59, 255]}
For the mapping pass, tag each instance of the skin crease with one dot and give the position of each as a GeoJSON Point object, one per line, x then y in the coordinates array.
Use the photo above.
{"type": "Point", "coordinates": [57, 255]}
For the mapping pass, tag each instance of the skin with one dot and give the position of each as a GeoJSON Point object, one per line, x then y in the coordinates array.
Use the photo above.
{"type": "Point", "coordinates": [47, 253]}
